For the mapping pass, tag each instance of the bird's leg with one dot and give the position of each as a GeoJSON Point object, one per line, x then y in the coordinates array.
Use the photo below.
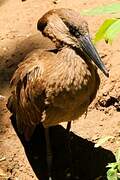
{"type": "Point", "coordinates": [68, 126]}
{"type": "Point", "coordinates": [48, 153]}
{"type": "Point", "coordinates": [69, 174]}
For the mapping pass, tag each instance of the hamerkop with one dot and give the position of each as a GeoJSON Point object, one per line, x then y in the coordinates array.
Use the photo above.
{"type": "Point", "coordinates": [56, 85]}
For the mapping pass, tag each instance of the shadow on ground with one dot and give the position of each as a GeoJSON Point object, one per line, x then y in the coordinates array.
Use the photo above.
{"type": "Point", "coordinates": [16, 52]}
{"type": "Point", "coordinates": [88, 162]}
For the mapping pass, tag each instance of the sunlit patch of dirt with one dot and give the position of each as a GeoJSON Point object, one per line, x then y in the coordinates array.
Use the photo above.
{"type": "Point", "coordinates": [19, 36]}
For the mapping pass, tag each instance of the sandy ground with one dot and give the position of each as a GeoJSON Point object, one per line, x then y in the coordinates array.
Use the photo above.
{"type": "Point", "coordinates": [18, 36]}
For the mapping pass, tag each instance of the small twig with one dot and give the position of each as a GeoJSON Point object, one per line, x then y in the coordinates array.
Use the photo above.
{"type": "Point", "coordinates": [2, 97]}
{"type": "Point", "coordinates": [118, 174]}
{"type": "Point", "coordinates": [2, 159]}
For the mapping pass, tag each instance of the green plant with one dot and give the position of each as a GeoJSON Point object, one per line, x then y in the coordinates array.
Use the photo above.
{"type": "Point", "coordinates": [113, 172]}
{"type": "Point", "coordinates": [102, 140]}
{"type": "Point", "coordinates": [110, 27]}
{"type": "Point", "coordinates": [108, 31]}
{"type": "Point", "coordinates": [112, 8]}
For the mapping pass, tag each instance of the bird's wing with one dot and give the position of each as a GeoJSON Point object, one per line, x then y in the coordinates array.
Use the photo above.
{"type": "Point", "coordinates": [28, 92]}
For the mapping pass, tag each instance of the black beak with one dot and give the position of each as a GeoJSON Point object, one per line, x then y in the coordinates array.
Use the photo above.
{"type": "Point", "coordinates": [90, 51]}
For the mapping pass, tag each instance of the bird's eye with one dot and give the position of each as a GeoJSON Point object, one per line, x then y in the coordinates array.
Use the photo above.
{"type": "Point", "coordinates": [74, 31]}
{"type": "Point", "coordinates": [77, 34]}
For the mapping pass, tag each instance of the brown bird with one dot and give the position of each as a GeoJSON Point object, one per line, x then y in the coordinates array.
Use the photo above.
{"type": "Point", "coordinates": [56, 85]}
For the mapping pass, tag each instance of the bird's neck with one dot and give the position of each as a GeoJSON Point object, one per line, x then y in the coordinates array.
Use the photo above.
{"type": "Point", "coordinates": [73, 66]}
{"type": "Point", "coordinates": [69, 71]}
{"type": "Point", "coordinates": [73, 56]}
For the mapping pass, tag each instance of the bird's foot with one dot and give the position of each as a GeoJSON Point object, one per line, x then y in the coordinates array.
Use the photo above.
{"type": "Point", "coordinates": [48, 153]}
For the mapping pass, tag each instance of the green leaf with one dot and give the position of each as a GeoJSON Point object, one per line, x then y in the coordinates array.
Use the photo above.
{"type": "Point", "coordinates": [119, 167]}
{"type": "Point", "coordinates": [112, 174]}
{"type": "Point", "coordinates": [103, 28]}
{"type": "Point", "coordinates": [117, 155]}
{"type": "Point", "coordinates": [112, 31]}
{"type": "Point", "coordinates": [102, 140]}
{"type": "Point", "coordinates": [106, 9]}
{"type": "Point", "coordinates": [112, 165]}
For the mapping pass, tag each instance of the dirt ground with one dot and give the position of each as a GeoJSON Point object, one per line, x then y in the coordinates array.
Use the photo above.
{"type": "Point", "coordinates": [18, 36]}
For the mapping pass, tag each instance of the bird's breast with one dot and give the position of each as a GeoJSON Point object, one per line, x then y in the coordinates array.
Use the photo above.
{"type": "Point", "coordinates": [69, 74]}
{"type": "Point", "coordinates": [71, 86]}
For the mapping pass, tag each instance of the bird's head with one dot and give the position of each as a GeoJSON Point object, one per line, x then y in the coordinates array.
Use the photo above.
{"type": "Point", "coordinates": [65, 27]}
